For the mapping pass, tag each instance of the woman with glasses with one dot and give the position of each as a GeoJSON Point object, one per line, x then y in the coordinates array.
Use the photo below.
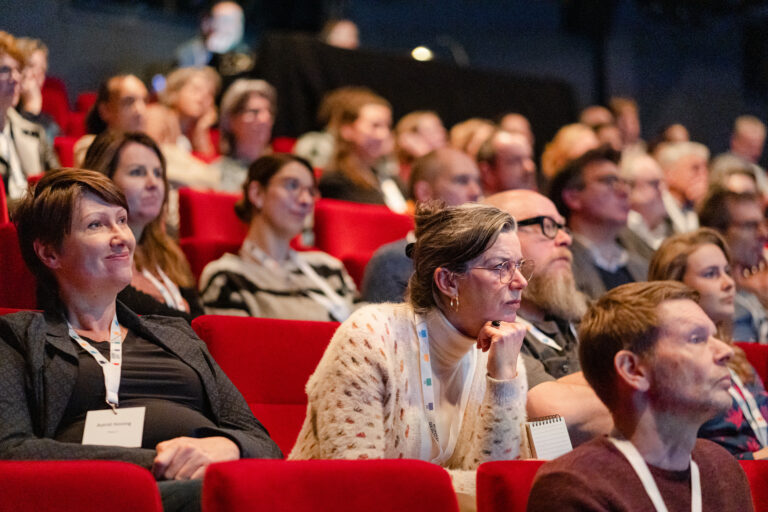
{"type": "Point", "coordinates": [438, 378]}
{"type": "Point", "coordinates": [268, 278]}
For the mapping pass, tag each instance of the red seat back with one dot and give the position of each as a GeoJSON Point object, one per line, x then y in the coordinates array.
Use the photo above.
{"type": "Point", "coordinates": [283, 144]}
{"type": "Point", "coordinates": [65, 149]}
{"type": "Point", "coordinates": [85, 486]}
{"type": "Point", "coordinates": [757, 475]}
{"type": "Point", "coordinates": [269, 361]}
{"type": "Point", "coordinates": [505, 485]}
{"type": "Point", "coordinates": [209, 215]}
{"type": "Point", "coordinates": [56, 101]}
{"type": "Point", "coordinates": [76, 124]}
{"type": "Point", "coordinates": [343, 228]}
{"type": "Point", "coordinates": [85, 100]}
{"type": "Point", "coordinates": [17, 284]}
{"type": "Point", "coordinates": [201, 251]}
{"type": "Point", "coordinates": [355, 265]}
{"type": "Point", "coordinates": [3, 205]}
{"type": "Point", "coordinates": [339, 485]}
{"type": "Point", "coordinates": [757, 355]}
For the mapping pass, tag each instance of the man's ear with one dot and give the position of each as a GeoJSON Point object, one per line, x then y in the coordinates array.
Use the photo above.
{"type": "Point", "coordinates": [104, 112]}
{"type": "Point", "coordinates": [422, 191]}
{"type": "Point", "coordinates": [632, 370]}
{"type": "Point", "coordinates": [47, 254]}
{"type": "Point", "coordinates": [446, 282]}
{"type": "Point", "coordinates": [255, 194]}
{"type": "Point", "coordinates": [572, 198]}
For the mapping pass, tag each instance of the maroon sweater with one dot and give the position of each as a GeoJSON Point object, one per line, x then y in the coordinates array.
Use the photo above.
{"type": "Point", "coordinates": [596, 476]}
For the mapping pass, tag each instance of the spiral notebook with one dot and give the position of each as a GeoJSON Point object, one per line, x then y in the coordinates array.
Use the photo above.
{"type": "Point", "coordinates": [548, 437]}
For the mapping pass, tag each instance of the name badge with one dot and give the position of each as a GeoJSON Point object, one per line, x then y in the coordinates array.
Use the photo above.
{"type": "Point", "coordinates": [106, 428]}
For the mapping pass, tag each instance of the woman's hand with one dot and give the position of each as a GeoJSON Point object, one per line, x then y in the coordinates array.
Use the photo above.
{"type": "Point", "coordinates": [502, 341]}
{"type": "Point", "coordinates": [186, 458]}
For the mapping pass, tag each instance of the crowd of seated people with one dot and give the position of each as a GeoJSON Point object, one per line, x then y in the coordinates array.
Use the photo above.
{"type": "Point", "coordinates": [606, 281]}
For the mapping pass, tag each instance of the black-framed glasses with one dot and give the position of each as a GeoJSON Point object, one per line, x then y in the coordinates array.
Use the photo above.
{"type": "Point", "coordinates": [549, 226]}
{"type": "Point", "coordinates": [506, 270]}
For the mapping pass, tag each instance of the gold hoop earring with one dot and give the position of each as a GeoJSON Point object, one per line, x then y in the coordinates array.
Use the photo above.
{"type": "Point", "coordinates": [455, 303]}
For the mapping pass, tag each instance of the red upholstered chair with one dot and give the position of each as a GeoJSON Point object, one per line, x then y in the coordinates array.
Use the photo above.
{"type": "Point", "coordinates": [85, 486]}
{"type": "Point", "coordinates": [209, 215]}
{"type": "Point", "coordinates": [85, 100]}
{"type": "Point", "coordinates": [343, 227]}
{"type": "Point", "coordinates": [757, 474]}
{"type": "Point", "coordinates": [283, 144]}
{"type": "Point", "coordinates": [355, 265]}
{"type": "Point", "coordinates": [269, 361]}
{"type": "Point", "coordinates": [76, 124]}
{"type": "Point", "coordinates": [505, 485]}
{"type": "Point", "coordinates": [201, 251]}
{"type": "Point", "coordinates": [56, 101]}
{"type": "Point", "coordinates": [339, 485]}
{"type": "Point", "coordinates": [17, 284]}
{"type": "Point", "coordinates": [65, 149]}
{"type": "Point", "coordinates": [3, 205]}
{"type": "Point", "coordinates": [757, 355]}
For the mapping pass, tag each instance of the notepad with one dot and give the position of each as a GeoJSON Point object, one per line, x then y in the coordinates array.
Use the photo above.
{"type": "Point", "coordinates": [548, 437]}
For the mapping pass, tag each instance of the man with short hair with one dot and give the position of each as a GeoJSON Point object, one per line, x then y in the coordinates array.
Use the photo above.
{"type": "Point", "coordinates": [550, 307]}
{"type": "Point", "coordinates": [594, 198]}
{"type": "Point", "coordinates": [444, 174]}
{"type": "Point", "coordinates": [739, 218]}
{"type": "Point", "coordinates": [650, 353]}
{"type": "Point", "coordinates": [746, 148]}
{"type": "Point", "coordinates": [506, 162]}
{"type": "Point", "coordinates": [686, 175]}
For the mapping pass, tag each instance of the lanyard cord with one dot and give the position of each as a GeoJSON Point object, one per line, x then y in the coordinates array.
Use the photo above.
{"type": "Point", "coordinates": [167, 288]}
{"type": "Point", "coordinates": [749, 407]}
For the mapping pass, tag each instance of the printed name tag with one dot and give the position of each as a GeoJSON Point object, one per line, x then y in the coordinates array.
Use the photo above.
{"type": "Point", "coordinates": [109, 429]}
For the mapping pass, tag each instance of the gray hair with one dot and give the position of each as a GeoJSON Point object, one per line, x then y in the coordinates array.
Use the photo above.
{"type": "Point", "coordinates": [234, 101]}
{"type": "Point", "coordinates": [670, 152]}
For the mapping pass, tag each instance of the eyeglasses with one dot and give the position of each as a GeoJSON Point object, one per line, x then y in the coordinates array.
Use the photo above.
{"type": "Point", "coordinates": [7, 71]}
{"type": "Point", "coordinates": [613, 181]}
{"type": "Point", "coordinates": [506, 270]}
{"type": "Point", "coordinates": [549, 226]}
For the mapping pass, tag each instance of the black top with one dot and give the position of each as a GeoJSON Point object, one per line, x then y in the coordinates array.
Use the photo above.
{"type": "Point", "coordinates": [152, 377]}
{"type": "Point", "coordinates": [144, 304]}
{"type": "Point", "coordinates": [613, 279]}
{"type": "Point", "coordinates": [554, 363]}
{"type": "Point", "coordinates": [335, 185]}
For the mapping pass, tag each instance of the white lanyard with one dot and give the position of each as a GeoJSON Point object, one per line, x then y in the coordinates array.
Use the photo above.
{"type": "Point", "coordinates": [393, 198]}
{"type": "Point", "coordinates": [110, 368]}
{"type": "Point", "coordinates": [651, 489]}
{"type": "Point", "coordinates": [540, 336]}
{"type": "Point", "coordinates": [428, 393]}
{"type": "Point", "coordinates": [749, 407]}
{"type": "Point", "coordinates": [168, 289]}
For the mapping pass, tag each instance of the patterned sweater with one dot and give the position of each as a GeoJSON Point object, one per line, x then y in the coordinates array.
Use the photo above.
{"type": "Point", "coordinates": [365, 399]}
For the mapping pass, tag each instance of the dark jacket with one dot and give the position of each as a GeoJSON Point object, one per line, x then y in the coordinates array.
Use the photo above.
{"type": "Point", "coordinates": [38, 371]}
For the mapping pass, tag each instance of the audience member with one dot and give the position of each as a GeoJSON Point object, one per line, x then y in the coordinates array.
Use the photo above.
{"type": "Point", "coordinates": [675, 132]}
{"type": "Point", "coordinates": [74, 235]}
{"type": "Point", "coordinates": [685, 173]}
{"type": "Point", "coordinates": [517, 123]}
{"type": "Point", "coordinates": [24, 148]}
{"type": "Point", "coordinates": [437, 378]}
{"type": "Point", "coordinates": [570, 142]}
{"type": "Point", "coordinates": [746, 148]}
{"type": "Point", "coordinates": [341, 34]}
{"type": "Point", "coordinates": [550, 308]}
{"type": "Point", "coordinates": [594, 198]}
{"type": "Point", "coordinates": [363, 138]}
{"type": "Point", "coordinates": [611, 135]}
{"type": "Point", "coordinates": [700, 259]}
{"type": "Point", "coordinates": [647, 216]}
{"type": "Point", "coordinates": [416, 134]}
{"type": "Point", "coordinates": [162, 283]}
{"type": "Point", "coordinates": [506, 162]}
{"type": "Point", "coordinates": [469, 135]}
{"type": "Point", "coordinates": [120, 106]}
{"type": "Point", "coordinates": [739, 177]}
{"type": "Point", "coordinates": [739, 218]}
{"type": "Point", "coordinates": [248, 111]}
{"type": "Point", "coordinates": [446, 175]}
{"type": "Point", "coordinates": [628, 120]}
{"type": "Point", "coordinates": [596, 115]}
{"type": "Point", "coordinates": [268, 278]}
{"type": "Point", "coordinates": [651, 355]}
{"type": "Point", "coordinates": [32, 79]}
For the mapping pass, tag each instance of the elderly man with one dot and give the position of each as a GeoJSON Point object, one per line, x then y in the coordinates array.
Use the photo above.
{"type": "Point", "coordinates": [594, 198]}
{"type": "Point", "coordinates": [747, 143]}
{"type": "Point", "coordinates": [506, 162]}
{"type": "Point", "coordinates": [445, 174]}
{"type": "Point", "coordinates": [739, 218]}
{"type": "Point", "coordinates": [685, 172]}
{"type": "Point", "coordinates": [550, 307]}
{"type": "Point", "coordinates": [650, 353]}
{"type": "Point", "coordinates": [24, 148]}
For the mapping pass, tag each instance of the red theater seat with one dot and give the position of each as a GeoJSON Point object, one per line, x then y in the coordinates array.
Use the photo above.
{"type": "Point", "coordinates": [56, 101]}
{"type": "Point", "coordinates": [283, 144]}
{"type": "Point", "coordinates": [201, 251]}
{"type": "Point", "coordinates": [3, 205]}
{"type": "Point", "coordinates": [269, 361]}
{"type": "Point", "coordinates": [505, 485]}
{"type": "Point", "coordinates": [338, 485]}
{"type": "Point", "coordinates": [355, 265]}
{"type": "Point", "coordinates": [85, 100]}
{"type": "Point", "coordinates": [65, 149]}
{"type": "Point", "coordinates": [209, 215]}
{"type": "Point", "coordinates": [76, 124]}
{"type": "Point", "coordinates": [17, 284]}
{"type": "Point", "coordinates": [84, 486]}
{"type": "Point", "coordinates": [343, 228]}
{"type": "Point", "coordinates": [757, 474]}
{"type": "Point", "coordinates": [757, 355]}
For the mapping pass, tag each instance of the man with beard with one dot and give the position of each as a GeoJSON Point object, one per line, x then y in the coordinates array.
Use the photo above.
{"type": "Point", "coordinates": [650, 353]}
{"type": "Point", "coordinates": [551, 306]}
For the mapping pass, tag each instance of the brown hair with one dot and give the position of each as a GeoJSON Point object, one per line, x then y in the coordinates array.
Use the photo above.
{"type": "Point", "coordinates": [45, 215]}
{"type": "Point", "coordinates": [450, 237]}
{"type": "Point", "coordinates": [347, 110]}
{"type": "Point", "coordinates": [155, 248]}
{"type": "Point", "coordinates": [670, 262]}
{"type": "Point", "coordinates": [625, 318]}
{"type": "Point", "coordinates": [9, 47]}
{"type": "Point", "coordinates": [262, 170]}
{"type": "Point", "coordinates": [178, 78]}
